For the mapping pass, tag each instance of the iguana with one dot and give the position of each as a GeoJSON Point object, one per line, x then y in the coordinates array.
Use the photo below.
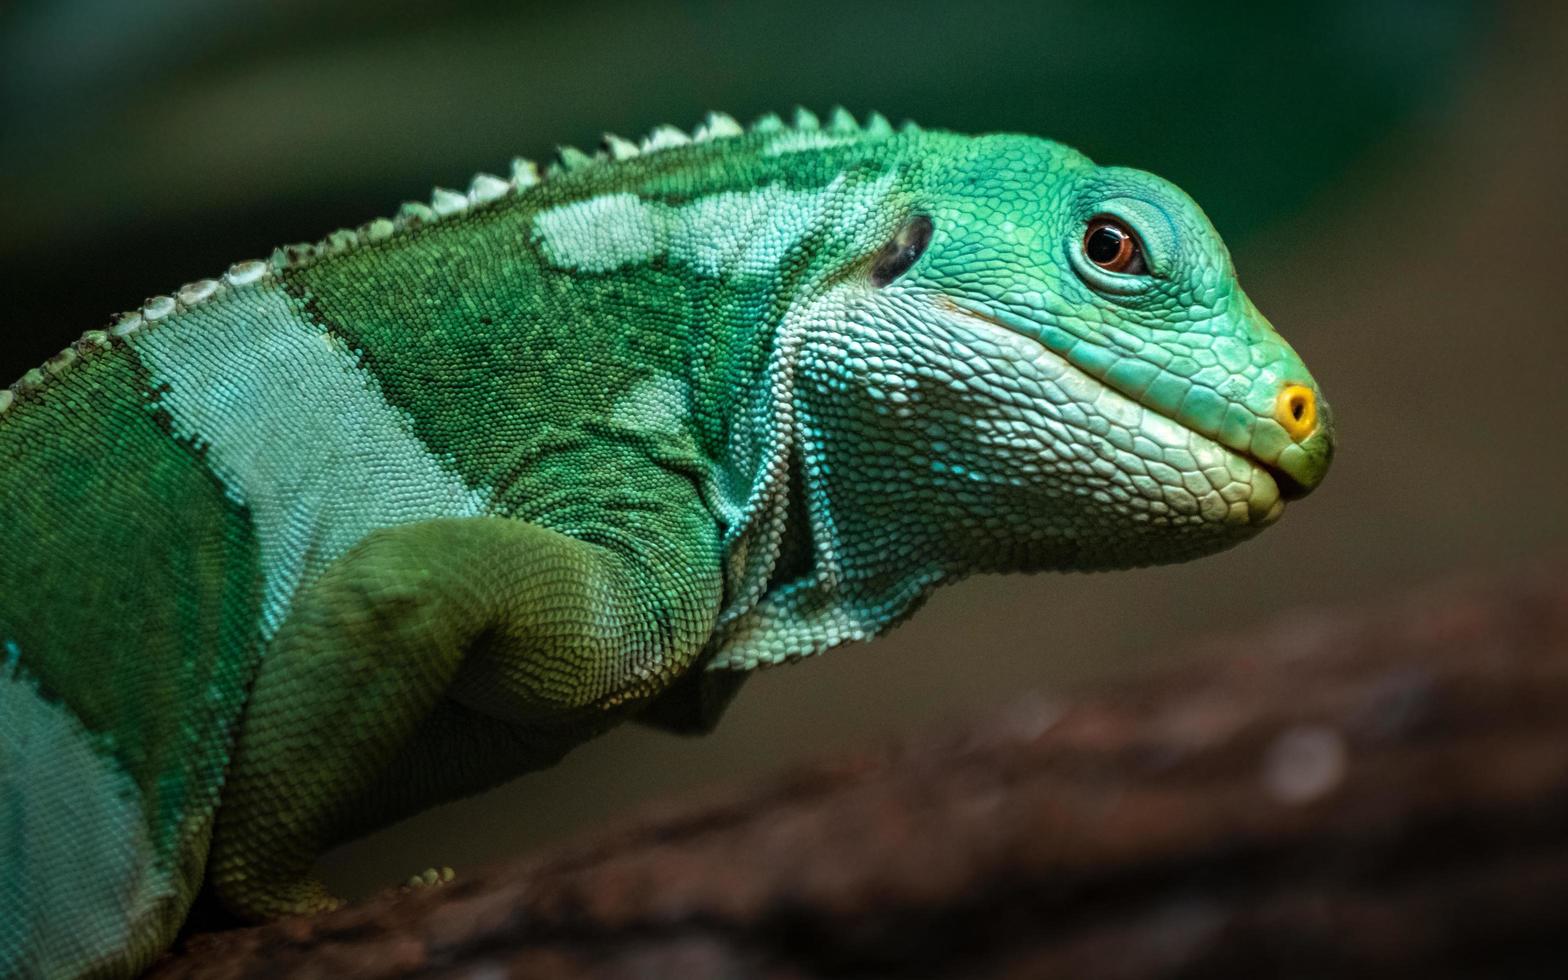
{"type": "Point", "coordinates": [389, 518]}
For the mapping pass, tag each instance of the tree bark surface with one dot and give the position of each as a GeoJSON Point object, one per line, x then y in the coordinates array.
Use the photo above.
{"type": "Point", "coordinates": [1374, 791]}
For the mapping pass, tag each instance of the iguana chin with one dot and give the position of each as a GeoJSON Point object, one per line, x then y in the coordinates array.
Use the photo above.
{"type": "Point", "coordinates": [390, 518]}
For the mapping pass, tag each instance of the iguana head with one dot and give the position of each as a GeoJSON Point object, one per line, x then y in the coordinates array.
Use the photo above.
{"type": "Point", "coordinates": [1043, 363]}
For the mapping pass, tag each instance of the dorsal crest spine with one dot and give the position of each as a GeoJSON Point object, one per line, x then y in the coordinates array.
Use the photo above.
{"type": "Point", "coordinates": [483, 190]}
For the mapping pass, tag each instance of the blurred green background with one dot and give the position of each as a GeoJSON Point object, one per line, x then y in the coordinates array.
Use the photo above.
{"type": "Point", "coordinates": [1390, 176]}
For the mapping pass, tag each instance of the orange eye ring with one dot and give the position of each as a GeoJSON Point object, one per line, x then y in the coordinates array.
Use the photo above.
{"type": "Point", "coordinates": [1113, 247]}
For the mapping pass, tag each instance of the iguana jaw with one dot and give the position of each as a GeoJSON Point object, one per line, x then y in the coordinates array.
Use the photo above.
{"type": "Point", "coordinates": [1296, 462]}
{"type": "Point", "coordinates": [1272, 486]}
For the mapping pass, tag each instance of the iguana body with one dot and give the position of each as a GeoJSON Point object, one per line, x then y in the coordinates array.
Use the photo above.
{"type": "Point", "coordinates": [386, 520]}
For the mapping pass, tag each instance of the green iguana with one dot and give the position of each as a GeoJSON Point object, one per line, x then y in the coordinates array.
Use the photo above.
{"type": "Point", "coordinates": [393, 517]}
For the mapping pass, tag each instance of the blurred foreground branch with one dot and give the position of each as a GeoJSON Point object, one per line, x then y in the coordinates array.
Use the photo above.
{"type": "Point", "coordinates": [1375, 791]}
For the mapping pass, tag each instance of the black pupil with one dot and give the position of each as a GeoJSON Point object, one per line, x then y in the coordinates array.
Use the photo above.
{"type": "Point", "coordinates": [1104, 245]}
{"type": "Point", "coordinates": [902, 252]}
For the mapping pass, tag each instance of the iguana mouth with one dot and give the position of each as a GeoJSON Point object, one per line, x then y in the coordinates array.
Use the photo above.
{"type": "Point", "coordinates": [1290, 488]}
{"type": "Point", "coordinates": [1286, 487]}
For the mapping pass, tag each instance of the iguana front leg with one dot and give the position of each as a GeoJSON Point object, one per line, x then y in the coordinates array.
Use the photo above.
{"type": "Point", "coordinates": [515, 620]}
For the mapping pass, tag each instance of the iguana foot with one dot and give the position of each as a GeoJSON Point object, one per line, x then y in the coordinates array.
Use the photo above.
{"type": "Point", "coordinates": [261, 900]}
{"type": "Point", "coordinates": [429, 878]}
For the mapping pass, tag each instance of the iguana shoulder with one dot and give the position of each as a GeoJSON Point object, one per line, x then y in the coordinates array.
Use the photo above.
{"type": "Point", "coordinates": [172, 480]}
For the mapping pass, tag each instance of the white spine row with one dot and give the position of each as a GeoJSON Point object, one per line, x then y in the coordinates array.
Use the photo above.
{"type": "Point", "coordinates": [482, 190]}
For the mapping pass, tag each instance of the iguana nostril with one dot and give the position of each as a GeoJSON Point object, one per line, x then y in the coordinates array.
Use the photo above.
{"type": "Point", "coordinates": [1297, 410]}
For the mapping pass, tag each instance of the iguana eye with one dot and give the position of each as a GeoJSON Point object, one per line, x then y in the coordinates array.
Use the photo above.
{"type": "Point", "coordinates": [901, 251]}
{"type": "Point", "coordinates": [1113, 247]}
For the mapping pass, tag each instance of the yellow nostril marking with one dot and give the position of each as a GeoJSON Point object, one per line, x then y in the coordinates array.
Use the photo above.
{"type": "Point", "coordinates": [1297, 411]}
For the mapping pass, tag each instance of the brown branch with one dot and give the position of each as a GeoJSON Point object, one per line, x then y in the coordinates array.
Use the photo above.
{"type": "Point", "coordinates": [1380, 791]}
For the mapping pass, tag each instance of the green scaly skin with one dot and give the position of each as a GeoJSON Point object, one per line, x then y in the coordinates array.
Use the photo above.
{"type": "Point", "coordinates": [389, 519]}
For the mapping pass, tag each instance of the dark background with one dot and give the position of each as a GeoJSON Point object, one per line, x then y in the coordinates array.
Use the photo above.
{"type": "Point", "coordinates": [1390, 176]}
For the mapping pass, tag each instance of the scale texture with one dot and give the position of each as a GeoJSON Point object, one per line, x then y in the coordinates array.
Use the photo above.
{"type": "Point", "coordinates": [384, 520]}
